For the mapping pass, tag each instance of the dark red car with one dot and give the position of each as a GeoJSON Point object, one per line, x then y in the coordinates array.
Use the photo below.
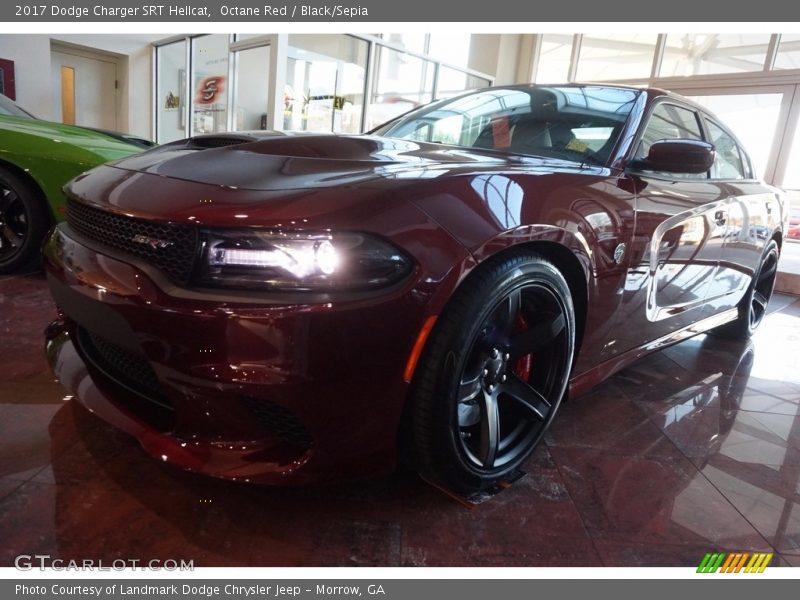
{"type": "Point", "coordinates": [284, 308]}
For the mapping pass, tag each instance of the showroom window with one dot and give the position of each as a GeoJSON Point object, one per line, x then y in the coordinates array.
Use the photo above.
{"type": "Point", "coordinates": [452, 48]}
{"type": "Point", "coordinates": [555, 53]}
{"type": "Point", "coordinates": [791, 180]}
{"type": "Point", "coordinates": [325, 79]}
{"type": "Point", "coordinates": [452, 81]}
{"type": "Point", "coordinates": [329, 82]}
{"type": "Point", "coordinates": [625, 56]}
{"type": "Point", "coordinates": [707, 53]}
{"type": "Point", "coordinates": [404, 82]}
{"type": "Point", "coordinates": [788, 56]}
{"type": "Point", "coordinates": [414, 42]}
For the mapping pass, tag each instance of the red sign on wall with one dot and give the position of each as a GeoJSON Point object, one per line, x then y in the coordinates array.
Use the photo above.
{"type": "Point", "coordinates": [209, 89]}
{"type": "Point", "coordinates": [8, 86]}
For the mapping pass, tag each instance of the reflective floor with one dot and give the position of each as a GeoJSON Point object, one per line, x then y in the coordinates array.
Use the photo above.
{"type": "Point", "coordinates": [696, 448]}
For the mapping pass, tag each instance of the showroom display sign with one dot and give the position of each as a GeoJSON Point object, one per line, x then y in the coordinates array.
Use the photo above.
{"type": "Point", "coordinates": [351, 11]}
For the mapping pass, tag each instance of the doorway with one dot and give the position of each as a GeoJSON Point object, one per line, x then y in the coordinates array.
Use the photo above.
{"type": "Point", "coordinates": [84, 89]}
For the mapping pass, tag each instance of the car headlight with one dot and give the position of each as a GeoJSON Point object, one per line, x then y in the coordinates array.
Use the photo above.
{"type": "Point", "coordinates": [299, 261]}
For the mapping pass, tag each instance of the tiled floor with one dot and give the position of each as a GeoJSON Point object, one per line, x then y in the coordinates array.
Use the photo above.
{"type": "Point", "coordinates": [693, 449]}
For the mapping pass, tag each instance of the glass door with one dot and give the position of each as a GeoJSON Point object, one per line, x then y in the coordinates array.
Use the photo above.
{"type": "Point", "coordinates": [209, 84]}
{"type": "Point", "coordinates": [171, 101]}
{"type": "Point", "coordinates": [251, 89]}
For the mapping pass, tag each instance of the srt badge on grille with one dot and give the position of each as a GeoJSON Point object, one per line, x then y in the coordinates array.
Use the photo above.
{"type": "Point", "coordinates": [154, 243]}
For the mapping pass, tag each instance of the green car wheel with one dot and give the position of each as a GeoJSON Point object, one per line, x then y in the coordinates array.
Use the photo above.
{"type": "Point", "coordinates": [24, 221]}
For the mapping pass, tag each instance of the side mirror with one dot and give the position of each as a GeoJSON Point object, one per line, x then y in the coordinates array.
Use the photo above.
{"type": "Point", "coordinates": [677, 156]}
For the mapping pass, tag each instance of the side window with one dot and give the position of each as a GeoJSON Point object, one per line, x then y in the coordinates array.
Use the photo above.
{"type": "Point", "coordinates": [729, 161]}
{"type": "Point", "coordinates": [670, 122]}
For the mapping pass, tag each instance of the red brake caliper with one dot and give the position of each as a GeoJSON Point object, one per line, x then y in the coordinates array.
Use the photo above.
{"type": "Point", "coordinates": [524, 364]}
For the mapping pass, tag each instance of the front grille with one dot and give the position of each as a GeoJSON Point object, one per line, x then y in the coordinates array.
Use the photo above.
{"type": "Point", "coordinates": [118, 232]}
{"type": "Point", "coordinates": [129, 370]}
{"type": "Point", "coordinates": [280, 421]}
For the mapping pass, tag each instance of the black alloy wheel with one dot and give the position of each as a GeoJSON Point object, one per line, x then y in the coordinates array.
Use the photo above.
{"type": "Point", "coordinates": [13, 222]}
{"type": "Point", "coordinates": [763, 286]}
{"type": "Point", "coordinates": [493, 373]}
{"type": "Point", "coordinates": [23, 222]}
{"type": "Point", "coordinates": [753, 306]}
{"type": "Point", "coordinates": [514, 367]}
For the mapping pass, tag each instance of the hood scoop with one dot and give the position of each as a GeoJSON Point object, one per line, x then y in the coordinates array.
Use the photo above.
{"type": "Point", "coordinates": [202, 143]}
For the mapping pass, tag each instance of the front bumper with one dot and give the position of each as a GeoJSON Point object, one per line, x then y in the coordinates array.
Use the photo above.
{"type": "Point", "coordinates": [266, 393]}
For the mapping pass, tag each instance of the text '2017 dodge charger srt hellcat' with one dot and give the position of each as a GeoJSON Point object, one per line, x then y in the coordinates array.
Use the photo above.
{"type": "Point", "coordinates": [287, 308]}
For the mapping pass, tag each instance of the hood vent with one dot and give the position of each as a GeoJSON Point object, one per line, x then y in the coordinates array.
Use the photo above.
{"type": "Point", "coordinates": [206, 142]}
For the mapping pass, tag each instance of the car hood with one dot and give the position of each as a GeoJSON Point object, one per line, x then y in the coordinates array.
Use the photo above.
{"type": "Point", "coordinates": [275, 161]}
{"type": "Point", "coordinates": [86, 139]}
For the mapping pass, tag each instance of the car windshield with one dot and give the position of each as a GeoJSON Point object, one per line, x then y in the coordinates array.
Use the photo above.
{"type": "Point", "coordinates": [10, 108]}
{"type": "Point", "coordinates": [578, 123]}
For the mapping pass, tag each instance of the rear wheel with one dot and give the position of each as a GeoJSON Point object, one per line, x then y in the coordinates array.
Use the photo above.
{"type": "Point", "coordinates": [23, 222]}
{"type": "Point", "coordinates": [493, 373]}
{"type": "Point", "coordinates": [753, 307]}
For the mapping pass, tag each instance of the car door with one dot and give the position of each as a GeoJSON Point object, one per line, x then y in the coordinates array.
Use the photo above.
{"type": "Point", "coordinates": [753, 212]}
{"type": "Point", "coordinates": [681, 222]}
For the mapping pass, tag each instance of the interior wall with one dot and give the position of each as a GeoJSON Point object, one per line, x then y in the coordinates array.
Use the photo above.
{"type": "Point", "coordinates": [136, 90]}
{"type": "Point", "coordinates": [31, 56]}
{"type": "Point", "coordinates": [508, 54]}
{"type": "Point", "coordinates": [496, 54]}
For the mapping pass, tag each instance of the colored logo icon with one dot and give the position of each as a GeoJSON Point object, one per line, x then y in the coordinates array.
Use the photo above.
{"type": "Point", "coordinates": [736, 562]}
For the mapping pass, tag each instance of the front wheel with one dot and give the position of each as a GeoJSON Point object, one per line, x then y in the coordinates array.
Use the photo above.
{"type": "Point", "coordinates": [493, 372]}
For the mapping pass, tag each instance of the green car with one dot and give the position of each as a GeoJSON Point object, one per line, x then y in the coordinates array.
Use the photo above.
{"type": "Point", "coordinates": [36, 159]}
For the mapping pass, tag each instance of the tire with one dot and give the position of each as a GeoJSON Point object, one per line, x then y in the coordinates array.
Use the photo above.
{"type": "Point", "coordinates": [753, 306]}
{"type": "Point", "coordinates": [24, 221]}
{"type": "Point", "coordinates": [493, 373]}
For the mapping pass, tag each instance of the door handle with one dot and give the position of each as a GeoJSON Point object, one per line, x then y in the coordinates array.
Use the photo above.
{"type": "Point", "coordinates": [720, 217]}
